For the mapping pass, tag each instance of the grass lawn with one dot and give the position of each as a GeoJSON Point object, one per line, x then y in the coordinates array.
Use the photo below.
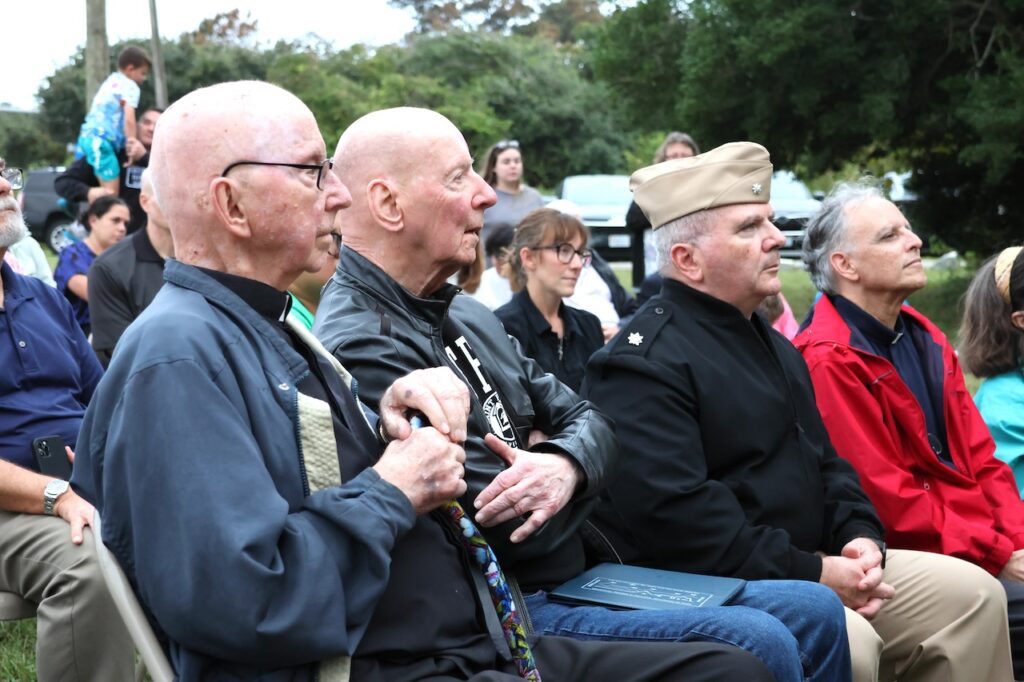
{"type": "Point", "coordinates": [17, 651]}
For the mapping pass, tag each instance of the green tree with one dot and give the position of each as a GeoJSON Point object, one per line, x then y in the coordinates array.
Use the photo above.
{"type": "Point", "coordinates": [565, 124]}
{"type": "Point", "coordinates": [25, 144]}
{"type": "Point", "coordinates": [443, 16]}
{"type": "Point", "coordinates": [933, 84]}
{"type": "Point", "coordinates": [217, 52]}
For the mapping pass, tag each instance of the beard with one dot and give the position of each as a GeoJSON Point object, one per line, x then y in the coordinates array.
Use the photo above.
{"type": "Point", "coordinates": [12, 223]}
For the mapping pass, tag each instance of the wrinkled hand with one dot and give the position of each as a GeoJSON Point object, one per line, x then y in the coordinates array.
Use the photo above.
{"type": "Point", "coordinates": [440, 395]}
{"type": "Point", "coordinates": [134, 150]}
{"type": "Point", "coordinates": [1014, 568]}
{"type": "Point", "coordinates": [856, 577]}
{"type": "Point", "coordinates": [76, 511]}
{"type": "Point", "coordinates": [72, 508]}
{"type": "Point", "coordinates": [95, 193]}
{"type": "Point", "coordinates": [609, 330]}
{"type": "Point", "coordinates": [426, 466]}
{"type": "Point", "coordinates": [536, 483]}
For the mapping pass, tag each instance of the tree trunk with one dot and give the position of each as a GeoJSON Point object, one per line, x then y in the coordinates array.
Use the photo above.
{"type": "Point", "coordinates": [97, 52]}
{"type": "Point", "coordinates": [159, 75]}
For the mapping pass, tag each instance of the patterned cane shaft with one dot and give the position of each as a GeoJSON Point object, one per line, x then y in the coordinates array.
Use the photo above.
{"type": "Point", "coordinates": [501, 595]}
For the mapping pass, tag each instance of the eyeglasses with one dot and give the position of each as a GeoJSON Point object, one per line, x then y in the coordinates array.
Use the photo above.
{"type": "Point", "coordinates": [507, 144]}
{"type": "Point", "coordinates": [14, 176]}
{"type": "Point", "coordinates": [321, 168]}
{"type": "Point", "coordinates": [565, 252]}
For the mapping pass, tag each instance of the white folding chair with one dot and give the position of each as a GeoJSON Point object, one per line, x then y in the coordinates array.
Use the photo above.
{"type": "Point", "coordinates": [131, 612]}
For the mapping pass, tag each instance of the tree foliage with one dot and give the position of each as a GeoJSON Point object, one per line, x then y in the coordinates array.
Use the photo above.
{"type": "Point", "coordinates": [935, 84]}
{"type": "Point", "coordinates": [444, 16]}
{"type": "Point", "coordinates": [24, 143]}
{"type": "Point", "coordinates": [491, 85]}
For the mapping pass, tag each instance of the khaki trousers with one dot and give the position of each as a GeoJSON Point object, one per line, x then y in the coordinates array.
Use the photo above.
{"type": "Point", "coordinates": [79, 635]}
{"type": "Point", "coordinates": [947, 623]}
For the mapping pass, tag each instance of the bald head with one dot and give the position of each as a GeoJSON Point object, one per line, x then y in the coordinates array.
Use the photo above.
{"type": "Point", "coordinates": [417, 204]}
{"type": "Point", "coordinates": [208, 129]}
{"type": "Point", "coordinates": [390, 144]}
{"type": "Point", "coordinates": [263, 217]}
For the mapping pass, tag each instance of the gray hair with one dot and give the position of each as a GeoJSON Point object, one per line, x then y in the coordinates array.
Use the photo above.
{"type": "Point", "coordinates": [686, 229]}
{"type": "Point", "coordinates": [826, 230]}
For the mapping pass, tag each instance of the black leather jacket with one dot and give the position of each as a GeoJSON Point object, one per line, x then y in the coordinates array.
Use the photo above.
{"type": "Point", "coordinates": [384, 332]}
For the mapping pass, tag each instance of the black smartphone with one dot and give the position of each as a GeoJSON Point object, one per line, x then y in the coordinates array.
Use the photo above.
{"type": "Point", "coordinates": [51, 458]}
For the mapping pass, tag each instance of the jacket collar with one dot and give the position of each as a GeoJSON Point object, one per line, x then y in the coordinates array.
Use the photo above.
{"type": "Point", "coordinates": [432, 309]}
{"type": "Point", "coordinates": [192, 278]}
{"type": "Point", "coordinates": [699, 304]}
{"type": "Point", "coordinates": [826, 325]}
{"type": "Point", "coordinates": [536, 320]}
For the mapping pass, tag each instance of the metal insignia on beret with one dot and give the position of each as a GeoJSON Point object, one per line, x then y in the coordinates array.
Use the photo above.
{"type": "Point", "coordinates": [635, 339]}
{"type": "Point", "coordinates": [756, 188]}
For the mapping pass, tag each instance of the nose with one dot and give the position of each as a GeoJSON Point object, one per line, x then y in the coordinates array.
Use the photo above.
{"type": "Point", "coordinates": [486, 197]}
{"type": "Point", "coordinates": [915, 242]}
{"type": "Point", "coordinates": [336, 194]}
{"type": "Point", "coordinates": [775, 238]}
{"type": "Point", "coordinates": [5, 186]}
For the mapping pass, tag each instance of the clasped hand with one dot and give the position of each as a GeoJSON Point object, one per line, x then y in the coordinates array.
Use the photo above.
{"type": "Point", "coordinates": [856, 576]}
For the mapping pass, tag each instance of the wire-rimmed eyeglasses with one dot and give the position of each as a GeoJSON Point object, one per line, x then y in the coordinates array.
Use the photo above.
{"type": "Point", "coordinates": [565, 251]}
{"type": "Point", "coordinates": [14, 176]}
{"type": "Point", "coordinates": [322, 168]}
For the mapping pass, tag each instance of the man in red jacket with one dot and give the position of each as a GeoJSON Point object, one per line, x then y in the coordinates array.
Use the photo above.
{"type": "Point", "coordinates": [892, 395]}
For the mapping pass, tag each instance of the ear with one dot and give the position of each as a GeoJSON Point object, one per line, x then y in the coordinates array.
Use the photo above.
{"type": "Point", "coordinates": [1017, 319]}
{"type": "Point", "coordinates": [528, 257]}
{"type": "Point", "coordinates": [384, 204]}
{"type": "Point", "coordinates": [229, 207]}
{"type": "Point", "coordinates": [843, 266]}
{"type": "Point", "coordinates": [688, 261]}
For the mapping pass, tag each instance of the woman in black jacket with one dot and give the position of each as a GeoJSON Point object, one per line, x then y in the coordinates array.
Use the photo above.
{"type": "Point", "coordinates": [548, 252]}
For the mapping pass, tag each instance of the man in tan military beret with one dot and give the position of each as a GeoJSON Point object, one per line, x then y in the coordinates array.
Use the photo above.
{"type": "Point", "coordinates": [726, 467]}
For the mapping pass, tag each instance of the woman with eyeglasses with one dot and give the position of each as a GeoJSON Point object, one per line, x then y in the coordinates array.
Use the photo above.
{"type": "Point", "coordinates": [503, 170]}
{"type": "Point", "coordinates": [991, 346]}
{"type": "Point", "coordinates": [547, 254]}
{"type": "Point", "coordinates": [107, 221]}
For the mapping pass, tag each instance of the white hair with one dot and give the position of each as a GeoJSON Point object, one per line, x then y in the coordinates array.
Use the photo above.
{"type": "Point", "coordinates": [826, 230]}
{"type": "Point", "coordinates": [686, 229]}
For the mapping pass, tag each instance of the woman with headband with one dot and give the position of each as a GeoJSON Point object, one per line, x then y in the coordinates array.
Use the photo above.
{"type": "Point", "coordinates": [991, 346]}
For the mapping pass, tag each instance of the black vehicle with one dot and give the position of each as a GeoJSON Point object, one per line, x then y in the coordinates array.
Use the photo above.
{"type": "Point", "coordinates": [793, 204]}
{"type": "Point", "coordinates": [48, 216]}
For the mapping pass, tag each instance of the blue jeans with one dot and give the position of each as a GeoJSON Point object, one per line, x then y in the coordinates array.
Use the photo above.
{"type": "Point", "coordinates": [797, 628]}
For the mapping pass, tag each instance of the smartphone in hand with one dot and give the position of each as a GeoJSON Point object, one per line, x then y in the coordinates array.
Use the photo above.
{"type": "Point", "coordinates": [51, 458]}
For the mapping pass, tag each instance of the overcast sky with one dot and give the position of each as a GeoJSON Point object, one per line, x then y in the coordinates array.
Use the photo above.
{"type": "Point", "coordinates": [39, 36]}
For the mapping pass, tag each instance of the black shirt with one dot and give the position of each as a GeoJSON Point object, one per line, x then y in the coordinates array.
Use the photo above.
{"type": "Point", "coordinates": [123, 280]}
{"type": "Point", "coordinates": [565, 357]}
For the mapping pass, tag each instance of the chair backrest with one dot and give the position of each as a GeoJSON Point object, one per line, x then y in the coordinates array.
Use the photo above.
{"type": "Point", "coordinates": [131, 612]}
{"type": "Point", "coordinates": [13, 607]}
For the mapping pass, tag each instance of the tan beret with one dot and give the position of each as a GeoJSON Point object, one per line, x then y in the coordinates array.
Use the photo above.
{"type": "Point", "coordinates": [735, 173]}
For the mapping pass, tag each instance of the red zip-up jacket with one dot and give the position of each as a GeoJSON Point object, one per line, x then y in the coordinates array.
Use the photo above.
{"type": "Point", "coordinates": [875, 422]}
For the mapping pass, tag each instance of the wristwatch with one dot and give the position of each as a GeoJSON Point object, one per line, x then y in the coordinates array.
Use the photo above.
{"type": "Point", "coordinates": [54, 489]}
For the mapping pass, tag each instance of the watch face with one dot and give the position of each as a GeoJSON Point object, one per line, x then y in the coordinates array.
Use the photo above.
{"type": "Point", "coordinates": [56, 487]}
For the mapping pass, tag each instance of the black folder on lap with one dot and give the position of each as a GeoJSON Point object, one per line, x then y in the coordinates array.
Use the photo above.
{"type": "Point", "coordinates": [635, 587]}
